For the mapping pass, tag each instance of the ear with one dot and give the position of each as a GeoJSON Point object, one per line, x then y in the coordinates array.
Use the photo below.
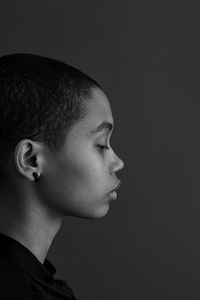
{"type": "Point", "coordinates": [27, 158]}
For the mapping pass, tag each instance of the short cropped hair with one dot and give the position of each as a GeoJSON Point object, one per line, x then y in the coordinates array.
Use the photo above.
{"type": "Point", "coordinates": [40, 98]}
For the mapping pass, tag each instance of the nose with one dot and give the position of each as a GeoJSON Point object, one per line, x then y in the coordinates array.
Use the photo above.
{"type": "Point", "coordinates": [119, 165]}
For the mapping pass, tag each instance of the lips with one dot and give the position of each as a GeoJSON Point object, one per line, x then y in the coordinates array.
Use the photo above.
{"type": "Point", "coordinates": [117, 186]}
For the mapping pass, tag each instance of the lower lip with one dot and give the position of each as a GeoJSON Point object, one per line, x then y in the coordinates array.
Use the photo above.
{"type": "Point", "coordinates": [113, 195]}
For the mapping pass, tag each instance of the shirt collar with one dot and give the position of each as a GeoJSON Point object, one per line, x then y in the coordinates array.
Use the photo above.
{"type": "Point", "coordinates": [21, 256]}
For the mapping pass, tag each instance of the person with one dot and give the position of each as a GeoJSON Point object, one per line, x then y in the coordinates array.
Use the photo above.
{"type": "Point", "coordinates": [55, 161]}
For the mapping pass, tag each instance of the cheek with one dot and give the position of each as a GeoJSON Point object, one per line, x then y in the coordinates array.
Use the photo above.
{"type": "Point", "coordinates": [83, 167]}
{"type": "Point", "coordinates": [76, 184]}
{"type": "Point", "coordinates": [84, 175]}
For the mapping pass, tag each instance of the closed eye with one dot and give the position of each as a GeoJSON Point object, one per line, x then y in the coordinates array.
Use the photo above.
{"type": "Point", "coordinates": [103, 147]}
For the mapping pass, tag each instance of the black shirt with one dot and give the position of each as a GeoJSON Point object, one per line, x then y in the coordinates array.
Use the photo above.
{"type": "Point", "coordinates": [24, 277]}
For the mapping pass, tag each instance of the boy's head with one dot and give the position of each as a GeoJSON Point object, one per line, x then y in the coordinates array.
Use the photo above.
{"type": "Point", "coordinates": [48, 112]}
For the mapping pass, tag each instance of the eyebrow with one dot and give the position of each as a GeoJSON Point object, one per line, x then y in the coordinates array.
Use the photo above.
{"type": "Point", "coordinates": [103, 126]}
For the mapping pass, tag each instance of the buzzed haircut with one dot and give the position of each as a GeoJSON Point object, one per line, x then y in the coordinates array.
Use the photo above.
{"type": "Point", "coordinates": [40, 98]}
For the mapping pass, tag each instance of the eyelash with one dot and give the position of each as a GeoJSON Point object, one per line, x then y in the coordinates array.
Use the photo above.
{"type": "Point", "coordinates": [103, 147]}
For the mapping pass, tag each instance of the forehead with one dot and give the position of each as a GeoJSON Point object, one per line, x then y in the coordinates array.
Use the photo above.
{"type": "Point", "coordinates": [99, 110]}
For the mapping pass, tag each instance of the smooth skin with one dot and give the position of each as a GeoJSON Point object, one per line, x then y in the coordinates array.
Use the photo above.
{"type": "Point", "coordinates": [76, 183]}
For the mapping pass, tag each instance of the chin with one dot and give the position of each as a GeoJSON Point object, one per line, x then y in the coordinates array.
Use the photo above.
{"type": "Point", "coordinates": [95, 214]}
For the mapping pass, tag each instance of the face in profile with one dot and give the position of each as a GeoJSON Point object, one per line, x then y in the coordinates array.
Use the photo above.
{"type": "Point", "coordinates": [78, 182]}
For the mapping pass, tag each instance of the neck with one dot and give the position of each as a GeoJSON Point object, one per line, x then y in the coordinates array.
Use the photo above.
{"type": "Point", "coordinates": [29, 224]}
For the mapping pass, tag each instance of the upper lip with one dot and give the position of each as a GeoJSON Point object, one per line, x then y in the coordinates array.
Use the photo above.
{"type": "Point", "coordinates": [117, 186]}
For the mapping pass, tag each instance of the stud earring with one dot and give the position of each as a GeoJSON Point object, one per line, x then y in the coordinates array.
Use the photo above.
{"type": "Point", "coordinates": [36, 176]}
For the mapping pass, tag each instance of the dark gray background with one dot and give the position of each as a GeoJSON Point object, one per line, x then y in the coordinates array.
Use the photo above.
{"type": "Point", "coordinates": [146, 55]}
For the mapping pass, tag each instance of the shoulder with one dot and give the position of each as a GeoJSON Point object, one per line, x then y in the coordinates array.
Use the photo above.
{"type": "Point", "coordinates": [14, 283]}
